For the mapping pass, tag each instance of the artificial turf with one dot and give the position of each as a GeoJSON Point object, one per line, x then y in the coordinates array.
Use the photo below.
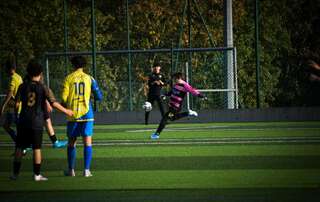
{"type": "Point", "coordinates": [266, 171]}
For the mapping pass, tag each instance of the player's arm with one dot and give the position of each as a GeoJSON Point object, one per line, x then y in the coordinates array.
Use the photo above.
{"type": "Point", "coordinates": [150, 80]}
{"type": "Point", "coordinates": [53, 102]}
{"type": "Point", "coordinates": [9, 96]}
{"type": "Point", "coordinates": [48, 107]}
{"type": "Point", "coordinates": [191, 90]}
{"type": "Point", "coordinates": [17, 100]}
{"type": "Point", "coordinates": [194, 91]}
{"type": "Point", "coordinates": [96, 90]}
{"type": "Point", "coordinates": [314, 77]}
{"type": "Point", "coordinates": [314, 65]}
{"type": "Point", "coordinates": [59, 107]}
{"type": "Point", "coordinates": [162, 81]}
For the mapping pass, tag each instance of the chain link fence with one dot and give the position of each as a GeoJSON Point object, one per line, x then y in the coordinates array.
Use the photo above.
{"type": "Point", "coordinates": [206, 72]}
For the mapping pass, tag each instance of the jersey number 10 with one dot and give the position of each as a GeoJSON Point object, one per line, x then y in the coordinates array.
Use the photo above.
{"type": "Point", "coordinates": [79, 88]}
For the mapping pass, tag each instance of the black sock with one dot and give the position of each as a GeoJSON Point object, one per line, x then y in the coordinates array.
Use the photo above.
{"type": "Point", "coordinates": [146, 118]}
{"type": "Point", "coordinates": [16, 167]}
{"type": "Point", "coordinates": [53, 138]}
{"type": "Point", "coordinates": [13, 135]}
{"type": "Point", "coordinates": [36, 169]}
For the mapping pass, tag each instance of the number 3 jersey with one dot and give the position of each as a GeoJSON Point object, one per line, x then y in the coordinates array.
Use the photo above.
{"type": "Point", "coordinates": [33, 96]}
{"type": "Point", "coordinates": [76, 94]}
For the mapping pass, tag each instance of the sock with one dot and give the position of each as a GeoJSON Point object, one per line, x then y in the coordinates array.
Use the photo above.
{"type": "Point", "coordinates": [36, 168]}
{"type": "Point", "coordinates": [87, 153]}
{"type": "Point", "coordinates": [71, 157]}
{"type": "Point", "coordinates": [146, 118]}
{"type": "Point", "coordinates": [16, 167]}
{"type": "Point", "coordinates": [13, 135]}
{"type": "Point", "coordinates": [53, 138]}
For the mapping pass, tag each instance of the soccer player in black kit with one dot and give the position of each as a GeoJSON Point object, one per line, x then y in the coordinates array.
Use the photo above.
{"type": "Point", "coordinates": [155, 84]}
{"type": "Point", "coordinates": [33, 95]}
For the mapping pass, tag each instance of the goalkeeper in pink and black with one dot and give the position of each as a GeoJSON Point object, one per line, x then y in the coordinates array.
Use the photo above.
{"type": "Point", "coordinates": [177, 94]}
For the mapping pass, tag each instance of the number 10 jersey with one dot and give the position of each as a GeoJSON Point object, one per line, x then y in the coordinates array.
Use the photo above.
{"type": "Point", "coordinates": [76, 93]}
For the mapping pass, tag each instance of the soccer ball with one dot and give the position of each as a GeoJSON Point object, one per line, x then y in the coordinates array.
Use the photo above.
{"type": "Point", "coordinates": [147, 106]}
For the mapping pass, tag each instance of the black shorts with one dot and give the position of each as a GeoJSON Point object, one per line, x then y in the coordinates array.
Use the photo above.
{"type": "Point", "coordinates": [172, 113]}
{"type": "Point", "coordinates": [152, 98]}
{"type": "Point", "coordinates": [27, 137]}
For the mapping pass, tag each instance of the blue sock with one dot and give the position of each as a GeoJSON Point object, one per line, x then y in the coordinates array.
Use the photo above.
{"type": "Point", "coordinates": [13, 135]}
{"type": "Point", "coordinates": [87, 153]}
{"type": "Point", "coordinates": [71, 157]}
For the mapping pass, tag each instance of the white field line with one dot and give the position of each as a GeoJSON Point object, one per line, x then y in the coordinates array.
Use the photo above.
{"type": "Point", "coordinates": [211, 141]}
{"type": "Point", "coordinates": [218, 128]}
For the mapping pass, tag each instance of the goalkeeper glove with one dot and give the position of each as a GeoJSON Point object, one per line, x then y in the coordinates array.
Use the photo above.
{"type": "Point", "coordinates": [203, 97]}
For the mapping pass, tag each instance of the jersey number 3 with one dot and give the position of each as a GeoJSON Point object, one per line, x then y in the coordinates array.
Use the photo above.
{"type": "Point", "coordinates": [31, 99]}
{"type": "Point", "coordinates": [79, 88]}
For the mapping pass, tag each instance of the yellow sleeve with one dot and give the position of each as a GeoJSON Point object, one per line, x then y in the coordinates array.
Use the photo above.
{"type": "Point", "coordinates": [12, 85]}
{"type": "Point", "coordinates": [65, 90]}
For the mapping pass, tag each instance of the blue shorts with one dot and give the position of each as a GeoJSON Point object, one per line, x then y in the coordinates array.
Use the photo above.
{"type": "Point", "coordinates": [76, 129]}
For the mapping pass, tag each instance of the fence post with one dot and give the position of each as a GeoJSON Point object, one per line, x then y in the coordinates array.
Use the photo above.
{"type": "Point", "coordinates": [129, 58]}
{"type": "Point", "coordinates": [93, 44]}
{"type": "Point", "coordinates": [172, 65]}
{"type": "Point", "coordinates": [65, 28]}
{"type": "Point", "coordinates": [228, 42]}
{"type": "Point", "coordinates": [256, 20]}
{"type": "Point", "coordinates": [47, 71]}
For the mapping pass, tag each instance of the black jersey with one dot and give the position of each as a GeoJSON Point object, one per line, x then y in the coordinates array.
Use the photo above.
{"type": "Point", "coordinates": [154, 88]}
{"type": "Point", "coordinates": [33, 96]}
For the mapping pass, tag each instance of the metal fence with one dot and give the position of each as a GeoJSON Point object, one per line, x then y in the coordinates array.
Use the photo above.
{"type": "Point", "coordinates": [122, 80]}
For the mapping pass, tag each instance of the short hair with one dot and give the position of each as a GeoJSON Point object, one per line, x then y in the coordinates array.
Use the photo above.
{"type": "Point", "coordinates": [34, 68]}
{"type": "Point", "coordinates": [177, 75]}
{"type": "Point", "coordinates": [78, 61]}
{"type": "Point", "coordinates": [156, 64]}
{"type": "Point", "coordinates": [10, 64]}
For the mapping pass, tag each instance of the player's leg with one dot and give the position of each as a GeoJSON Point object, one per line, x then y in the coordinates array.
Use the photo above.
{"type": "Point", "coordinates": [37, 158]}
{"type": "Point", "coordinates": [87, 131]}
{"type": "Point", "coordinates": [21, 142]}
{"type": "Point", "coordinates": [50, 130]}
{"type": "Point", "coordinates": [146, 117]}
{"type": "Point", "coordinates": [73, 132]}
{"type": "Point", "coordinates": [160, 105]}
{"type": "Point", "coordinates": [162, 125]}
{"type": "Point", "coordinates": [9, 119]}
{"type": "Point", "coordinates": [181, 115]}
{"type": "Point", "coordinates": [16, 163]}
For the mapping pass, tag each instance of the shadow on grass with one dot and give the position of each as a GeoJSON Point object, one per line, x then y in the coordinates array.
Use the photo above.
{"type": "Point", "coordinates": [221, 195]}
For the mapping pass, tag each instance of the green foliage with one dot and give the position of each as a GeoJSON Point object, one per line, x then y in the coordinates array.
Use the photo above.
{"type": "Point", "coordinates": [31, 28]}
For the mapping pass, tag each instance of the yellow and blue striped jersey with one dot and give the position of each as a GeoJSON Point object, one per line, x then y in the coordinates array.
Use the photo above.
{"type": "Point", "coordinates": [76, 93]}
{"type": "Point", "coordinates": [14, 83]}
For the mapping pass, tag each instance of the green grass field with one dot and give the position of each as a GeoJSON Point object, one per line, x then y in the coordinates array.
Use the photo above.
{"type": "Point", "coordinates": [274, 161]}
